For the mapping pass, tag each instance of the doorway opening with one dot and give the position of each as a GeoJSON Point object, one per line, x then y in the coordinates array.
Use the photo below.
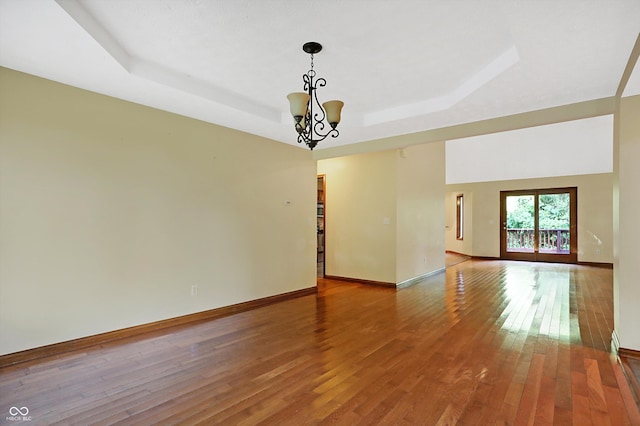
{"type": "Point", "coordinates": [321, 226]}
{"type": "Point", "coordinates": [539, 225]}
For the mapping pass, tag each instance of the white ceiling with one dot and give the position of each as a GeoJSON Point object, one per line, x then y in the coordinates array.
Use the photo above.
{"type": "Point", "coordinates": [399, 66]}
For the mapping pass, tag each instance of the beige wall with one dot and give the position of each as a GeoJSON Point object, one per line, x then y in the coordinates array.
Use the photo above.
{"type": "Point", "coordinates": [385, 214]}
{"type": "Point", "coordinates": [482, 203]}
{"type": "Point", "coordinates": [360, 216]}
{"type": "Point", "coordinates": [111, 211]}
{"type": "Point", "coordinates": [420, 245]}
{"type": "Point", "coordinates": [627, 226]}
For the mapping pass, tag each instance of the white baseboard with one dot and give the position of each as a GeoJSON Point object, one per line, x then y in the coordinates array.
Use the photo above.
{"type": "Point", "coordinates": [419, 278]}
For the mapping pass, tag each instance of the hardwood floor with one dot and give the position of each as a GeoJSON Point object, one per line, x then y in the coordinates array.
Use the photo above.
{"type": "Point", "coordinates": [631, 367]}
{"type": "Point", "coordinates": [487, 342]}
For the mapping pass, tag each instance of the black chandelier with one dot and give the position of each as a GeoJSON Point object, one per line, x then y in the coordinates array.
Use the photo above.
{"type": "Point", "coordinates": [310, 125]}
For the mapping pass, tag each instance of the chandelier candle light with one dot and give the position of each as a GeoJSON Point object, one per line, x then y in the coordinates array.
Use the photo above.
{"type": "Point", "coordinates": [310, 124]}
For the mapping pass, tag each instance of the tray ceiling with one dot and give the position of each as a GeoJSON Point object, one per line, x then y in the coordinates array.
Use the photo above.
{"type": "Point", "coordinates": [400, 67]}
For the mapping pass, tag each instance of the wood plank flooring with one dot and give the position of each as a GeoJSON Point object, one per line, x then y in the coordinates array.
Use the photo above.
{"type": "Point", "coordinates": [486, 343]}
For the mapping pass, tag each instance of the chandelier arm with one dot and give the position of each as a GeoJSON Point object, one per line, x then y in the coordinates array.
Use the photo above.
{"type": "Point", "coordinates": [311, 142]}
{"type": "Point", "coordinates": [321, 115]}
{"type": "Point", "coordinates": [307, 79]}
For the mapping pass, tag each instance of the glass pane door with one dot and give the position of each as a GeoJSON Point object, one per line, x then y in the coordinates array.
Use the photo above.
{"type": "Point", "coordinates": [554, 223]}
{"type": "Point", "coordinates": [539, 225]}
{"type": "Point", "coordinates": [520, 224]}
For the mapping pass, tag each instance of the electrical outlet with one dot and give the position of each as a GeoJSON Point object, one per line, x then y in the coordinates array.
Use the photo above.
{"type": "Point", "coordinates": [194, 290]}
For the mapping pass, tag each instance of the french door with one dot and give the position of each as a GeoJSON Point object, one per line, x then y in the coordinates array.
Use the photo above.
{"type": "Point", "coordinates": [539, 225]}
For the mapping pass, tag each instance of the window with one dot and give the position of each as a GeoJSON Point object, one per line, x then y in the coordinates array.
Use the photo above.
{"type": "Point", "coordinates": [459, 216]}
